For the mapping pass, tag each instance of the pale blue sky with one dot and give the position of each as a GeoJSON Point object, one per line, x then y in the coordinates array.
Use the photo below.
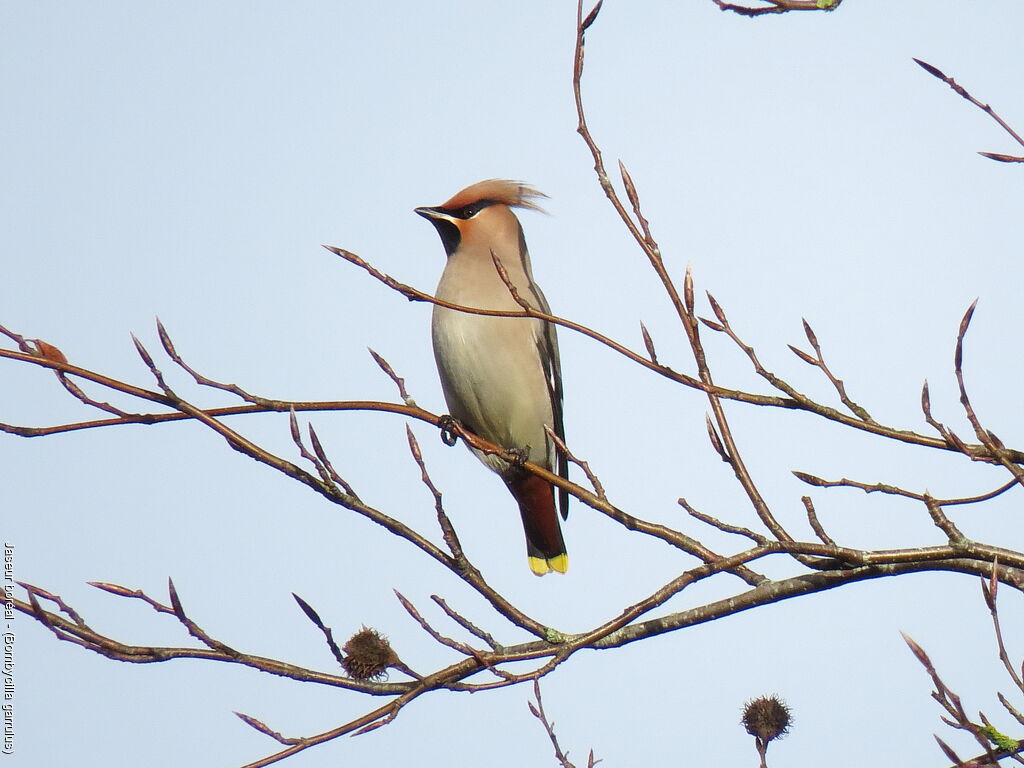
{"type": "Point", "coordinates": [187, 159]}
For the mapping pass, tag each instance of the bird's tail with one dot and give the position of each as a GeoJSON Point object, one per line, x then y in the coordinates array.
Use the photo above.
{"type": "Point", "coordinates": [545, 548]}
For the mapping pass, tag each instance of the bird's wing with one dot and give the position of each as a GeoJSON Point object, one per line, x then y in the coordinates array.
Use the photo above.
{"type": "Point", "coordinates": [547, 346]}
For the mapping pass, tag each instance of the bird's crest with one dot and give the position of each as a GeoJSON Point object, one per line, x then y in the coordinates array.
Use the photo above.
{"type": "Point", "coordinates": [514, 194]}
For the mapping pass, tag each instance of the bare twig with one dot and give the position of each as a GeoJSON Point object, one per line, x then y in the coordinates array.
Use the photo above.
{"type": "Point", "coordinates": [992, 443]}
{"type": "Point", "coordinates": [894, 490]}
{"type": "Point", "coordinates": [399, 381]}
{"type": "Point", "coordinates": [466, 624]}
{"type": "Point", "coordinates": [714, 522]}
{"type": "Point", "coordinates": [946, 442]}
{"type": "Point", "coordinates": [451, 538]}
{"type": "Point", "coordinates": [949, 700]}
{"type": "Point", "coordinates": [812, 519]}
{"type": "Point", "coordinates": [429, 629]}
{"type": "Point", "coordinates": [943, 523]}
{"type": "Point", "coordinates": [995, 744]}
{"type": "Point", "coordinates": [936, 72]}
{"type": "Point", "coordinates": [573, 459]}
{"type": "Point", "coordinates": [989, 591]}
{"type": "Point", "coordinates": [818, 361]}
{"type": "Point", "coordinates": [778, 6]}
{"type": "Point", "coordinates": [537, 710]}
{"type": "Point", "coordinates": [314, 617]}
{"type": "Point", "coordinates": [321, 456]}
{"type": "Point", "coordinates": [266, 730]}
{"type": "Point", "coordinates": [168, 345]}
{"type": "Point", "coordinates": [642, 235]}
{"type": "Point", "coordinates": [951, 439]}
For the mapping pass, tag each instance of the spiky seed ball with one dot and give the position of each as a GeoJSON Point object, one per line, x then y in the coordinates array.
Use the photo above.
{"type": "Point", "coordinates": [767, 718]}
{"type": "Point", "coordinates": [368, 655]}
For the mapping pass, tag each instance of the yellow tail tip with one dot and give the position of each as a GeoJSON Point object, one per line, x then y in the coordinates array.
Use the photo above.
{"type": "Point", "coordinates": [558, 563]}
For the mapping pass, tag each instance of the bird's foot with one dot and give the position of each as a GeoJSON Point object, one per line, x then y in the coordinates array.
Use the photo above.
{"type": "Point", "coordinates": [519, 456]}
{"type": "Point", "coordinates": [450, 427]}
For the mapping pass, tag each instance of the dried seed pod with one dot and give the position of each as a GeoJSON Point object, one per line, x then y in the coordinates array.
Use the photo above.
{"type": "Point", "coordinates": [368, 655]}
{"type": "Point", "coordinates": [767, 718]}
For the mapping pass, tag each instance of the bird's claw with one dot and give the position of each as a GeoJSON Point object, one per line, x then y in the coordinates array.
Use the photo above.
{"type": "Point", "coordinates": [450, 427]}
{"type": "Point", "coordinates": [519, 456]}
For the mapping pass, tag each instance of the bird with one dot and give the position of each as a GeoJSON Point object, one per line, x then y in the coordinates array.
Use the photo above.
{"type": "Point", "coordinates": [501, 376]}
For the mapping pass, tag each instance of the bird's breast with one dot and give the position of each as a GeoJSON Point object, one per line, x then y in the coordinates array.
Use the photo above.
{"type": "Point", "coordinates": [493, 378]}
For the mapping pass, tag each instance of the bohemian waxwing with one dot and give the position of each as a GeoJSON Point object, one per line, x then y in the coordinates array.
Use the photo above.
{"type": "Point", "coordinates": [500, 375]}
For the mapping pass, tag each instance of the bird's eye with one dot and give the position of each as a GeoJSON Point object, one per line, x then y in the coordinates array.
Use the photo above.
{"type": "Point", "coordinates": [469, 211]}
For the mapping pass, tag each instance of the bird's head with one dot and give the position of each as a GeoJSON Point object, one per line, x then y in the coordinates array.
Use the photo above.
{"type": "Point", "coordinates": [481, 213]}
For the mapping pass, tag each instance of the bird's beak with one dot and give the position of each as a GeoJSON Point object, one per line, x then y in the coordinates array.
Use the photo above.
{"type": "Point", "coordinates": [432, 214]}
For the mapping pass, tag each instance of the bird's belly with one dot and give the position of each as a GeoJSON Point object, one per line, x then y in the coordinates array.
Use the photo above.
{"type": "Point", "coordinates": [494, 380]}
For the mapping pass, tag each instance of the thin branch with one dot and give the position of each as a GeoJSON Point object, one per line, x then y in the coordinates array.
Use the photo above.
{"type": "Point", "coordinates": [894, 490]}
{"type": "Point", "coordinates": [595, 482]}
{"type": "Point", "coordinates": [618, 631]}
{"type": "Point", "coordinates": [952, 440]}
{"type": "Point", "coordinates": [818, 361]}
{"type": "Point", "coordinates": [451, 538]}
{"type": "Point", "coordinates": [936, 72]}
{"type": "Point", "coordinates": [989, 591]}
{"type": "Point", "coordinates": [414, 294]}
{"type": "Point", "coordinates": [976, 452]}
{"type": "Point", "coordinates": [321, 456]}
{"type": "Point", "coordinates": [314, 617]}
{"type": "Point", "coordinates": [714, 522]}
{"type": "Point", "coordinates": [812, 519]}
{"type": "Point", "coordinates": [80, 633]}
{"type": "Point", "coordinates": [943, 523]}
{"type": "Point", "coordinates": [948, 699]}
{"type": "Point", "coordinates": [398, 380]}
{"type": "Point", "coordinates": [266, 730]}
{"type": "Point", "coordinates": [993, 444]}
{"type": "Point", "coordinates": [537, 710]}
{"type": "Point", "coordinates": [436, 635]}
{"type": "Point", "coordinates": [466, 624]}
{"type": "Point", "coordinates": [778, 6]}
{"type": "Point", "coordinates": [204, 381]}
